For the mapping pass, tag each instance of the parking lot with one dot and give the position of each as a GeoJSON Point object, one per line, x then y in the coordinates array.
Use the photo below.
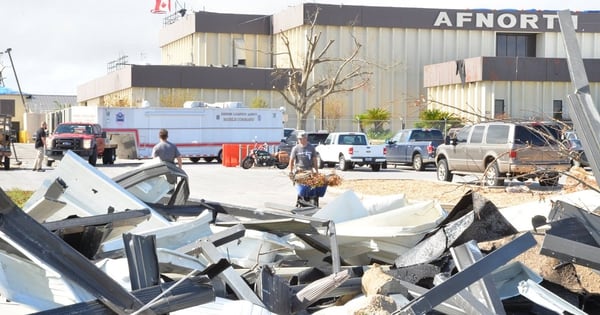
{"type": "Point", "coordinates": [253, 187]}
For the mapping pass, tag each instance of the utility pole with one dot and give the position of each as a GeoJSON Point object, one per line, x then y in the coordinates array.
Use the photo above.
{"type": "Point", "coordinates": [8, 50]}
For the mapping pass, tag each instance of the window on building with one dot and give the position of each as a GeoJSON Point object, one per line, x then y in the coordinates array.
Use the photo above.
{"type": "Point", "coordinates": [499, 110]}
{"type": "Point", "coordinates": [557, 109]}
{"type": "Point", "coordinates": [515, 45]}
{"type": "Point", "coordinates": [239, 52]}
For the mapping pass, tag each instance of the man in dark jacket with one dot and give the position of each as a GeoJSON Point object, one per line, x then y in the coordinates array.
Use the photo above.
{"type": "Point", "coordinates": [40, 146]}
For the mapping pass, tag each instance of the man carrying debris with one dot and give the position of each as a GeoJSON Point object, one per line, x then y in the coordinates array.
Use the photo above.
{"type": "Point", "coordinates": [303, 156]}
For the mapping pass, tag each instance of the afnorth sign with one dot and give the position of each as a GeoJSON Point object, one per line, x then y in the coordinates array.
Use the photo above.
{"type": "Point", "coordinates": [495, 20]}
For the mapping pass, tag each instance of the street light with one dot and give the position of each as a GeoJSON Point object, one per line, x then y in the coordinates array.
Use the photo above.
{"type": "Point", "coordinates": [8, 50]}
{"type": "Point", "coordinates": [322, 113]}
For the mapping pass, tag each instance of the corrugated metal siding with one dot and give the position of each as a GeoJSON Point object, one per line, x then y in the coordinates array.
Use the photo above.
{"type": "Point", "coordinates": [523, 100]}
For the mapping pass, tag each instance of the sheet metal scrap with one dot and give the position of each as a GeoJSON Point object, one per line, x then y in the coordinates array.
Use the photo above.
{"type": "Point", "coordinates": [459, 281]}
{"type": "Point", "coordinates": [472, 218]}
{"type": "Point", "coordinates": [187, 293]}
{"type": "Point", "coordinates": [20, 230]}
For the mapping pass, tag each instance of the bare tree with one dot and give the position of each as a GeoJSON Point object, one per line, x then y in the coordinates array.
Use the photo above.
{"type": "Point", "coordinates": [302, 91]}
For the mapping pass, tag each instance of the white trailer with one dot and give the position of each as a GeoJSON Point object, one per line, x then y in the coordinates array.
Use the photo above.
{"type": "Point", "coordinates": [198, 132]}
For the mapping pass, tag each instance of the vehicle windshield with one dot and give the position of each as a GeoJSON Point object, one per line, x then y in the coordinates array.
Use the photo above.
{"type": "Point", "coordinates": [317, 138]}
{"type": "Point", "coordinates": [86, 129]}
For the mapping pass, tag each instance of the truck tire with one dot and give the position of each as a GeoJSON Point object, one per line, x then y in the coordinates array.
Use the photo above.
{"type": "Point", "coordinates": [320, 163]}
{"type": "Point", "coordinates": [443, 172]}
{"type": "Point", "coordinates": [6, 163]}
{"type": "Point", "coordinates": [108, 156]}
{"type": "Point", "coordinates": [94, 157]}
{"type": "Point", "coordinates": [417, 162]}
{"type": "Point", "coordinates": [344, 165]}
{"type": "Point", "coordinates": [375, 167]}
{"type": "Point", "coordinates": [220, 157]}
{"type": "Point", "coordinates": [491, 177]}
{"type": "Point", "coordinates": [194, 159]}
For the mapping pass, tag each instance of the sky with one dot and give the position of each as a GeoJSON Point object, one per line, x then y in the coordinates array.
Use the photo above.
{"type": "Point", "coordinates": [59, 45]}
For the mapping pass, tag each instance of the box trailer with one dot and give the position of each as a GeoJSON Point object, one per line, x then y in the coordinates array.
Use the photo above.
{"type": "Point", "coordinates": [198, 132]}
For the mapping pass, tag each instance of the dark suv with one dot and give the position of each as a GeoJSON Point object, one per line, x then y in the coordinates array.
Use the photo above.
{"type": "Point", "coordinates": [501, 150]}
{"type": "Point", "coordinates": [314, 138]}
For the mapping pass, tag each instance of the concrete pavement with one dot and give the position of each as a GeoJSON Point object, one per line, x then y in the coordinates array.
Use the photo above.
{"type": "Point", "coordinates": [254, 187]}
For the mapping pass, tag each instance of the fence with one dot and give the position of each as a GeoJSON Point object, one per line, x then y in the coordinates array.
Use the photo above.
{"type": "Point", "coordinates": [375, 129]}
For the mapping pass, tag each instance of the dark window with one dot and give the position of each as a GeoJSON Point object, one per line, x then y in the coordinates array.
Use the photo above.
{"type": "Point", "coordinates": [515, 45]}
{"type": "Point", "coordinates": [477, 135]}
{"type": "Point", "coordinates": [463, 134]}
{"type": "Point", "coordinates": [557, 109]}
{"type": "Point", "coordinates": [499, 110]}
{"type": "Point", "coordinates": [427, 135]}
{"type": "Point", "coordinates": [537, 135]}
{"type": "Point", "coordinates": [497, 134]}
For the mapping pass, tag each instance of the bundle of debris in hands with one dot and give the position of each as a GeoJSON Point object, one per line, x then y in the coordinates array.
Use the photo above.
{"type": "Point", "coordinates": [137, 243]}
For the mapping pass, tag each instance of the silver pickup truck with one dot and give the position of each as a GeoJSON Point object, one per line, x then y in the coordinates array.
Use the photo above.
{"type": "Point", "coordinates": [350, 149]}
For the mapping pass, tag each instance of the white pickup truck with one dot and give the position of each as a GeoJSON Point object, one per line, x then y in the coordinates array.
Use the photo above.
{"type": "Point", "coordinates": [350, 149]}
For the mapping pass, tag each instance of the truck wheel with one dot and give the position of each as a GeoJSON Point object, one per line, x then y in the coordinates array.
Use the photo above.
{"type": "Point", "coordinates": [107, 157]}
{"type": "Point", "coordinates": [49, 163]}
{"type": "Point", "coordinates": [417, 162]}
{"type": "Point", "coordinates": [94, 157]}
{"type": "Point", "coordinates": [6, 163]}
{"type": "Point", "coordinates": [321, 163]}
{"type": "Point", "coordinates": [375, 167]}
{"type": "Point", "coordinates": [344, 166]}
{"type": "Point", "coordinates": [492, 176]}
{"type": "Point", "coordinates": [209, 159]}
{"type": "Point", "coordinates": [220, 157]}
{"type": "Point", "coordinates": [194, 159]}
{"type": "Point", "coordinates": [443, 173]}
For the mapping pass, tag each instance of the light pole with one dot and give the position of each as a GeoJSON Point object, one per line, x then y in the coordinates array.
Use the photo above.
{"type": "Point", "coordinates": [322, 113]}
{"type": "Point", "coordinates": [8, 50]}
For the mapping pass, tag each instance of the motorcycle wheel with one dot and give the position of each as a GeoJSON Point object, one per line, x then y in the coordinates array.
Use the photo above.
{"type": "Point", "coordinates": [247, 163]}
{"type": "Point", "coordinates": [281, 166]}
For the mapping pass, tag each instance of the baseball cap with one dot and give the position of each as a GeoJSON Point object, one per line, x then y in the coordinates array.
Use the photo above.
{"type": "Point", "coordinates": [301, 134]}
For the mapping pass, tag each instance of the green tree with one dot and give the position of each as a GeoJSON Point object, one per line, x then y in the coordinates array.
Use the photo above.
{"type": "Point", "coordinates": [435, 118]}
{"type": "Point", "coordinates": [258, 102]}
{"type": "Point", "coordinates": [377, 119]}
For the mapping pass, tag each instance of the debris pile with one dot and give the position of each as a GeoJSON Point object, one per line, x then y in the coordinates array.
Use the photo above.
{"type": "Point", "coordinates": [138, 243]}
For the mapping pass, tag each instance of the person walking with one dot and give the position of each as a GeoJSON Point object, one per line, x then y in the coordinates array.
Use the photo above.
{"type": "Point", "coordinates": [303, 156]}
{"type": "Point", "coordinates": [166, 150]}
{"type": "Point", "coordinates": [303, 159]}
{"type": "Point", "coordinates": [40, 146]}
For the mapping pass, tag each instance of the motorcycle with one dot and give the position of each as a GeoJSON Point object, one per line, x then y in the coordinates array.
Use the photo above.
{"type": "Point", "coordinates": [260, 156]}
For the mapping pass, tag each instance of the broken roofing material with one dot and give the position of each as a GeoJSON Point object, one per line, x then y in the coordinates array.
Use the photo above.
{"type": "Point", "coordinates": [186, 246]}
{"type": "Point", "coordinates": [377, 228]}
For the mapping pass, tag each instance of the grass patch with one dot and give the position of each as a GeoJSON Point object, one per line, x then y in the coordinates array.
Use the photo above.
{"type": "Point", "coordinates": [19, 197]}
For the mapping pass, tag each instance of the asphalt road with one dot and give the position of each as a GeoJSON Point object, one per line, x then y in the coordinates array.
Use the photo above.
{"type": "Point", "coordinates": [255, 187]}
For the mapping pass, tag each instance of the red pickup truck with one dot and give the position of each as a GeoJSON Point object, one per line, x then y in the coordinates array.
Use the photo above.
{"type": "Point", "coordinates": [85, 139]}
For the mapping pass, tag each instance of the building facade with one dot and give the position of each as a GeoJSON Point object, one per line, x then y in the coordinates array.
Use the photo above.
{"type": "Point", "coordinates": [478, 64]}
